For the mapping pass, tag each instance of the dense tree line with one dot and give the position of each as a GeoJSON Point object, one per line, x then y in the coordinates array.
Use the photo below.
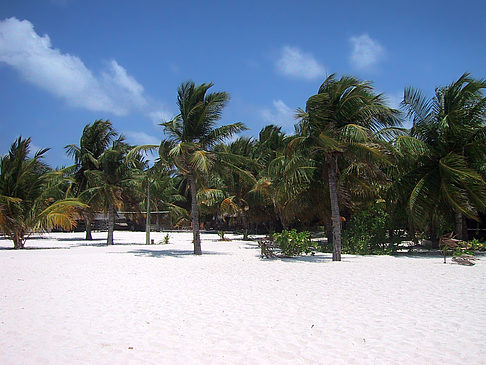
{"type": "Point", "coordinates": [349, 158]}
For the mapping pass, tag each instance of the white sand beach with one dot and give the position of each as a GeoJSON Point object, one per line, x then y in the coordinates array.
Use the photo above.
{"type": "Point", "coordinates": [64, 300]}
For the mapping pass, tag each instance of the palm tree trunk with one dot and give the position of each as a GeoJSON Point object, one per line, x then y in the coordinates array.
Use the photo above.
{"type": "Point", "coordinates": [195, 215]}
{"type": "Point", "coordinates": [459, 226]}
{"type": "Point", "coordinates": [111, 224]}
{"type": "Point", "coordinates": [18, 241]}
{"type": "Point", "coordinates": [335, 214]}
{"type": "Point", "coordinates": [147, 221]}
{"type": "Point", "coordinates": [89, 237]}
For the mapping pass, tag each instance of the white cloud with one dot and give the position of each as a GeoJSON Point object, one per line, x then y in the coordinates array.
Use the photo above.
{"type": "Point", "coordinates": [394, 100]}
{"type": "Point", "coordinates": [140, 138]}
{"type": "Point", "coordinates": [366, 52]}
{"type": "Point", "coordinates": [160, 116]}
{"type": "Point", "coordinates": [65, 75]}
{"type": "Point", "coordinates": [295, 63]}
{"type": "Point", "coordinates": [281, 114]}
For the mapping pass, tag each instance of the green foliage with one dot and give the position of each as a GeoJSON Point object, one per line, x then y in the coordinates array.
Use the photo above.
{"type": "Point", "coordinates": [166, 239]}
{"type": "Point", "coordinates": [293, 243]}
{"type": "Point", "coordinates": [30, 198]}
{"type": "Point", "coordinates": [366, 233]}
{"type": "Point", "coordinates": [469, 247]}
{"type": "Point", "coordinates": [222, 237]}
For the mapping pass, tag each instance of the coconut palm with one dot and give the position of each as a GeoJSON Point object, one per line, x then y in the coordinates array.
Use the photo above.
{"type": "Point", "coordinates": [236, 178]}
{"type": "Point", "coordinates": [444, 155]}
{"type": "Point", "coordinates": [191, 137]}
{"type": "Point", "coordinates": [27, 203]}
{"type": "Point", "coordinates": [95, 140]}
{"type": "Point", "coordinates": [283, 176]}
{"type": "Point", "coordinates": [340, 120]}
{"type": "Point", "coordinates": [114, 186]}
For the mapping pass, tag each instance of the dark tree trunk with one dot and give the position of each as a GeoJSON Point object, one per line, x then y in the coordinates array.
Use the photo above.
{"type": "Point", "coordinates": [147, 220]}
{"type": "Point", "coordinates": [335, 214]}
{"type": "Point", "coordinates": [283, 221]}
{"type": "Point", "coordinates": [434, 236]}
{"type": "Point", "coordinates": [111, 224]}
{"type": "Point", "coordinates": [244, 221]}
{"type": "Point", "coordinates": [195, 215]}
{"type": "Point", "coordinates": [18, 241]}
{"type": "Point", "coordinates": [329, 231]}
{"type": "Point", "coordinates": [460, 226]}
{"type": "Point", "coordinates": [87, 221]}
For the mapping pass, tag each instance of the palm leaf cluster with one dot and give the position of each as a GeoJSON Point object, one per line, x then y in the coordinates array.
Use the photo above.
{"type": "Point", "coordinates": [348, 154]}
{"type": "Point", "coordinates": [28, 201]}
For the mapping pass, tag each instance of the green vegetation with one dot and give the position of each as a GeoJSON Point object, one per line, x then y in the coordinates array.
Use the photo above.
{"type": "Point", "coordinates": [166, 239]}
{"type": "Point", "coordinates": [348, 169]}
{"type": "Point", "coordinates": [367, 232]}
{"type": "Point", "coordinates": [29, 196]}
{"type": "Point", "coordinates": [293, 243]}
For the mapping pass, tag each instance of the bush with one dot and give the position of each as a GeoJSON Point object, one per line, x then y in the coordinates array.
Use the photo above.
{"type": "Point", "coordinates": [469, 247]}
{"type": "Point", "coordinates": [222, 237]}
{"type": "Point", "coordinates": [293, 243]}
{"type": "Point", "coordinates": [366, 233]}
{"type": "Point", "coordinates": [166, 239]}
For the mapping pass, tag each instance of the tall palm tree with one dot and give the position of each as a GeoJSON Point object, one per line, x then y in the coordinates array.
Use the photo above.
{"type": "Point", "coordinates": [446, 153]}
{"type": "Point", "coordinates": [191, 137]}
{"type": "Point", "coordinates": [113, 186]}
{"type": "Point", "coordinates": [237, 178]}
{"type": "Point", "coordinates": [283, 176]}
{"type": "Point", "coordinates": [27, 203]}
{"type": "Point", "coordinates": [341, 120]}
{"type": "Point", "coordinates": [95, 139]}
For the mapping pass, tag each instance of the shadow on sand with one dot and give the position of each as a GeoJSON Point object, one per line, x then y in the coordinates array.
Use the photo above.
{"type": "Point", "coordinates": [296, 259]}
{"type": "Point", "coordinates": [72, 239]}
{"type": "Point", "coordinates": [168, 253]}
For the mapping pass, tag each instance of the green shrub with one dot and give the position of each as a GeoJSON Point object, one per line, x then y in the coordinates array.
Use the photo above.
{"type": "Point", "coordinates": [166, 239]}
{"type": "Point", "coordinates": [469, 247]}
{"type": "Point", "coordinates": [222, 237]}
{"type": "Point", "coordinates": [367, 233]}
{"type": "Point", "coordinates": [293, 243]}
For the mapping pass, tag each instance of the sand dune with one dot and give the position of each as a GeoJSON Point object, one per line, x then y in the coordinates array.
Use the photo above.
{"type": "Point", "coordinates": [82, 303]}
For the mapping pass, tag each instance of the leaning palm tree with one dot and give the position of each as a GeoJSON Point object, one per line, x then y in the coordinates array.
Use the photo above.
{"type": "Point", "coordinates": [95, 139]}
{"type": "Point", "coordinates": [27, 202]}
{"type": "Point", "coordinates": [444, 155]}
{"type": "Point", "coordinates": [341, 119]}
{"type": "Point", "coordinates": [191, 137]}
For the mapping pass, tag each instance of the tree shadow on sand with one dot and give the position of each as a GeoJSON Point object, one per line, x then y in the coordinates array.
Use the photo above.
{"type": "Point", "coordinates": [27, 248]}
{"type": "Point", "coordinates": [297, 259]}
{"type": "Point", "coordinates": [168, 253]}
{"type": "Point", "coordinates": [73, 239]}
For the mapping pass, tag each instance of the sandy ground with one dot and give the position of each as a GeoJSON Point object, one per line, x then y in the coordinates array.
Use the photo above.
{"type": "Point", "coordinates": [63, 301]}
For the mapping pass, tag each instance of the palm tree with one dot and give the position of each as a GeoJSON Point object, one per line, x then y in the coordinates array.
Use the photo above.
{"type": "Point", "coordinates": [26, 202]}
{"type": "Point", "coordinates": [161, 195]}
{"type": "Point", "coordinates": [446, 152]}
{"type": "Point", "coordinates": [283, 176]}
{"type": "Point", "coordinates": [95, 140]}
{"type": "Point", "coordinates": [341, 120]}
{"type": "Point", "coordinates": [113, 186]}
{"type": "Point", "coordinates": [236, 176]}
{"type": "Point", "coordinates": [191, 137]}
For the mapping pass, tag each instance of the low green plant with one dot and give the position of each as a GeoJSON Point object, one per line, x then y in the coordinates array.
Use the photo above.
{"type": "Point", "coordinates": [293, 243]}
{"type": "Point", "coordinates": [469, 247]}
{"type": "Point", "coordinates": [222, 237]}
{"type": "Point", "coordinates": [166, 239]}
{"type": "Point", "coordinates": [246, 236]}
{"type": "Point", "coordinates": [367, 233]}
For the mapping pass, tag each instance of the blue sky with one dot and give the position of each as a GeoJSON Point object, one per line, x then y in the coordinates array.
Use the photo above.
{"type": "Point", "coordinates": [66, 63]}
